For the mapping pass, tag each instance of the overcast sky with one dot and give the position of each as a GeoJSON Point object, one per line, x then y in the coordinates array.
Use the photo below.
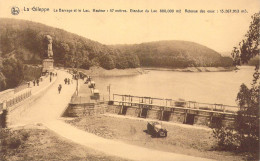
{"type": "Point", "coordinates": [219, 31]}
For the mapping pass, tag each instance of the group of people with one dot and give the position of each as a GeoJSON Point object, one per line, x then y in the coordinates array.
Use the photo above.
{"type": "Point", "coordinates": [68, 81]}
{"type": "Point", "coordinates": [53, 74]}
{"type": "Point", "coordinates": [37, 81]}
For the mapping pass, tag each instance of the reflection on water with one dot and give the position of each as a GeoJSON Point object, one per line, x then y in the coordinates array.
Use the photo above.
{"type": "Point", "coordinates": [206, 87]}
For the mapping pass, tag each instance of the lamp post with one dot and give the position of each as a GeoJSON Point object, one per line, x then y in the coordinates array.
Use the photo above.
{"type": "Point", "coordinates": [109, 91]}
{"type": "Point", "coordinates": [77, 87]}
{"type": "Point", "coordinates": [109, 88]}
{"type": "Point", "coordinates": [76, 76]}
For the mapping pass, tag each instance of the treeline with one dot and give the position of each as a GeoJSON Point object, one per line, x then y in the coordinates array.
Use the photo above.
{"type": "Point", "coordinates": [175, 54]}
{"type": "Point", "coordinates": [254, 61]}
{"type": "Point", "coordinates": [13, 73]}
{"type": "Point", "coordinates": [24, 40]}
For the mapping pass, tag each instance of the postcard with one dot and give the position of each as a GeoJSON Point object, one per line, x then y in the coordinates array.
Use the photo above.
{"type": "Point", "coordinates": [145, 80]}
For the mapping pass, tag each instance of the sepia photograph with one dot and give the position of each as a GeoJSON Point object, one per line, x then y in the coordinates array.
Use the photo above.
{"type": "Point", "coordinates": [129, 80]}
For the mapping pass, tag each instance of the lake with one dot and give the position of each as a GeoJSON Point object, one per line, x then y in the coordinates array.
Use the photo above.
{"type": "Point", "coordinates": [205, 87]}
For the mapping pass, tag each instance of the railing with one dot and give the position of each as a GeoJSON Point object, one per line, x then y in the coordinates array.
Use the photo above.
{"type": "Point", "coordinates": [18, 98]}
{"type": "Point", "coordinates": [11, 97]}
{"type": "Point", "coordinates": [169, 103]}
{"type": "Point", "coordinates": [84, 99]}
{"type": "Point", "coordinates": [20, 87]}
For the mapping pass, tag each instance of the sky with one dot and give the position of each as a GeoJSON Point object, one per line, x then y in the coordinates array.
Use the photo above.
{"type": "Point", "coordinates": [219, 31]}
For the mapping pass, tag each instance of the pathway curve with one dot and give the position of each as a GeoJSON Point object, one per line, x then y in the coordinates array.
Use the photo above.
{"type": "Point", "coordinates": [49, 107]}
{"type": "Point", "coordinates": [115, 148]}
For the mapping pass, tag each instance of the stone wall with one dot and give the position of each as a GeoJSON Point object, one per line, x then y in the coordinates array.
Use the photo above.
{"type": "Point", "coordinates": [154, 114]}
{"type": "Point", "coordinates": [85, 109]}
{"type": "Point", "coordinates": [133, 111]}
{"type": "Point", "coordinates": [178, 115]}
{"type": "Point", "coordinates": [228, 120]}
{"type": "Point", "coordinates": [202, 118]}
{"type": "Point", "coordinates": [114, 109]}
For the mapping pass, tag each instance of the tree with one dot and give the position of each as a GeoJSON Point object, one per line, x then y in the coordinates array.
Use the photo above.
{"type": "Point", "coordinates": [247, 121]}
{"type": "Point", "coordinates": [13, 71]}
{"type": "Point", "coordinates": [107, 62]}
{"type": "Point", "coordinates": [2, 81]}
{"type": "Point", "coordinates": [244, 135]}
{"type": "Point", "coordinates": [249, 47]}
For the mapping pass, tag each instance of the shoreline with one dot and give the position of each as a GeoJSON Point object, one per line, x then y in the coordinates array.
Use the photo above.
{"type": "Point", "coordinates": [194, 69]}
{"type": "Point", "coordinates": [101, 72]}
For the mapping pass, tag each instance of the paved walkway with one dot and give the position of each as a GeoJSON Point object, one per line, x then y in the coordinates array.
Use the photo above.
{"type": "Point", "coordinates": [51, 105]}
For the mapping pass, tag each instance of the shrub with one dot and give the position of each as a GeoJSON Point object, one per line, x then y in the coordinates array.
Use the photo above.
{"type": "Point", "coordinates": [227, 138]}
{"type": "Point", "coordinates": [14, 143]}
{"type": "Point", "coordinates": [244, 135]}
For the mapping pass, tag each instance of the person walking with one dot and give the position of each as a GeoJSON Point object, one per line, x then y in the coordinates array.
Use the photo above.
{"type": "Point", "coordinates": [33, 82]}
{"type": "Point", "coordinates": [59, 88]}
{"type": "Point", "coordinates": [37, 81]}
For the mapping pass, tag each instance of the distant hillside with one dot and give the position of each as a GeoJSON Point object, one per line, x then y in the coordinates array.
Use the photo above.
{"type": "Point", "coordinates": [175, 54]}
{"type": "Point", "coordinates": [252, 62]}
{"type": "Point", "coordinates": [226, 53]}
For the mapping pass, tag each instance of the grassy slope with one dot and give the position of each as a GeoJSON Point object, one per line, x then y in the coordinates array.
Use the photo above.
{"type": "Point", "coordinates": [42, 144]}
{"type": "Point", "coordinates": [188, 141]}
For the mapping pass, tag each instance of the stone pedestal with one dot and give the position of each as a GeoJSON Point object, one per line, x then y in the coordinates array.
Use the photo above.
{"type": "Point", "coordinates": [47, 65]}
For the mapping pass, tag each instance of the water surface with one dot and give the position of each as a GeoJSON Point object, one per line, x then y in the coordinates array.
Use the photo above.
{"type": "Point", "coordinates": [206, 87]}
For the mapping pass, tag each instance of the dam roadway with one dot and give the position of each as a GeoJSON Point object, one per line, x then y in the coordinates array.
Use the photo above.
{"type": "Point", "coordinates": [49, 107]}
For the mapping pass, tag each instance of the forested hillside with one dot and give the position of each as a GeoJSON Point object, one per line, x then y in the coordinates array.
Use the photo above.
{"type": "Point", "coordinates": [22, 42]}
{"type": "Point", "coordinates": [175, 54]}
{"type": "Point", "coordinates": [24, 39]}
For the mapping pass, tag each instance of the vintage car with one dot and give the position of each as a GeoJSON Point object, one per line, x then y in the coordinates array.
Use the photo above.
{"type": "Point", "coordinates": [156, 130]}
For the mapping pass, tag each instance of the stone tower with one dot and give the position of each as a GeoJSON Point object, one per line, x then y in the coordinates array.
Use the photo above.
{"type": "Point", "coordinates": [48, 54]}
